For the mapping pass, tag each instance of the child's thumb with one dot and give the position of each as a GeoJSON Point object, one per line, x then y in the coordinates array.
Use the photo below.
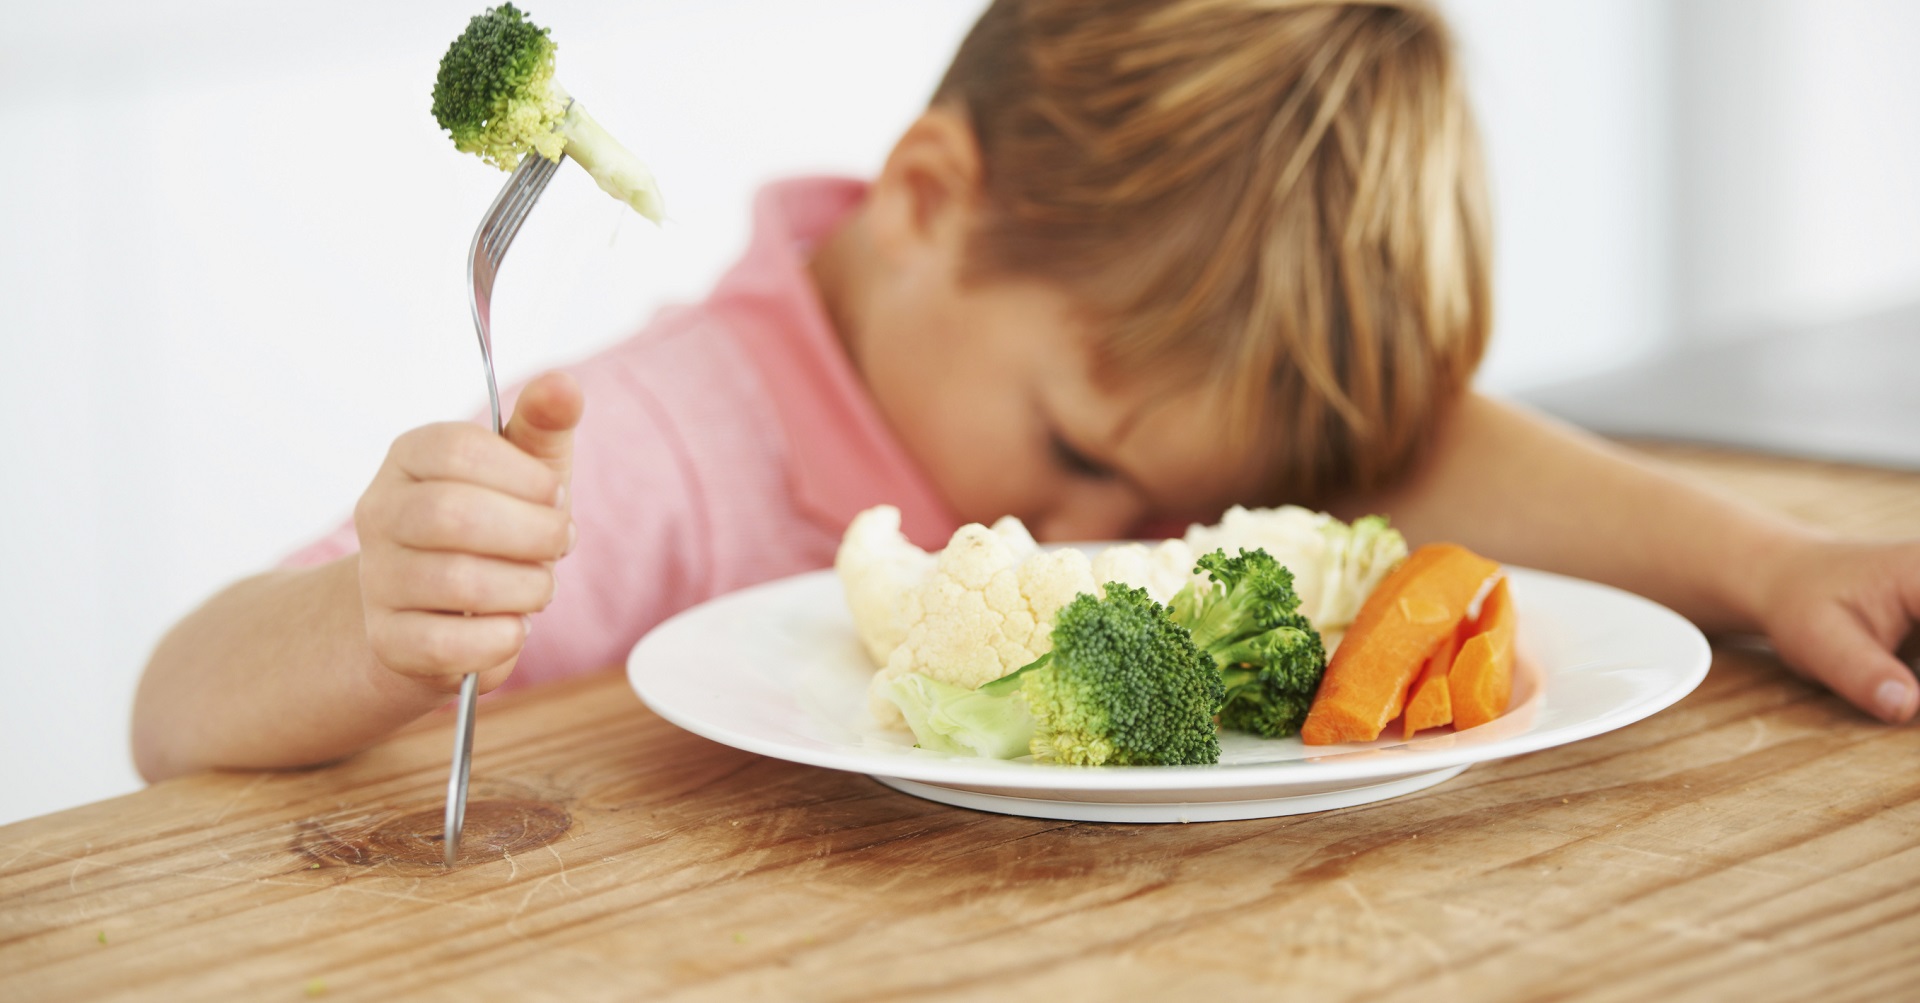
{"type": "Point", "coordinates": [544, 418]}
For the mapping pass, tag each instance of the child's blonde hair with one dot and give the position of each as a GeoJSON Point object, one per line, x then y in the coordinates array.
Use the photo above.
{"type": "Point", "coordinates": [1282, 196]}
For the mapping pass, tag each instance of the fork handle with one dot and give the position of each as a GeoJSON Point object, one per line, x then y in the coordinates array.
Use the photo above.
{"type": "Point", "coordinates": [462, 766]}
{"type": "Point", "coordinates": [456, 817]}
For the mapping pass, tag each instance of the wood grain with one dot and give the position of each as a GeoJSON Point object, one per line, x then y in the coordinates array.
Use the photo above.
{"type": "Point", "coordinates": [1758, 841]}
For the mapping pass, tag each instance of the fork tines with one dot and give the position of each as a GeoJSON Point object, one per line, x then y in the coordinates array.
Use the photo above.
{"type": "Point", "coordinates": [511, 208]}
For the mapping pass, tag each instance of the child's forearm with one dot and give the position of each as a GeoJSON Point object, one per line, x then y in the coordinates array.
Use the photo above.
{"type": "Point", "coordinates": [273, 672]}
{"type": "Point", "coordinates": [1530, 491]}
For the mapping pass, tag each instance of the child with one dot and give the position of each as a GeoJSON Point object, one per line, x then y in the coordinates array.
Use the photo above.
{"type": "Point", "coordinates": [1136, 262]}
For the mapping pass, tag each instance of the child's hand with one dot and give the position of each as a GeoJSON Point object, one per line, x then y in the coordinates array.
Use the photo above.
{"type": "Point", "coordinates": [1840, 611]}
{"type": "Point", "coordinates": [459, 532]}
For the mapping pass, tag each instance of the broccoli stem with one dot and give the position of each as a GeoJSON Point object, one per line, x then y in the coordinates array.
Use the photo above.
{"type": "Point", "coordinates": [616, 170]}
{"type": "Point", "coordinates": [962, 722]}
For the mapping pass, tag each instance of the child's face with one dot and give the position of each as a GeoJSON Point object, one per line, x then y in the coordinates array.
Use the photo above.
{"type": "Point", "coordinates": [991, 388]}
{"type": "Point", "coordinates": [989, 383]}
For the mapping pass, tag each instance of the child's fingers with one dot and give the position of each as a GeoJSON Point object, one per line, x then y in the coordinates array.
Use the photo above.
{"type": "Point", "coordinates": [429, 581]}
{"type": "Point", "coordinates": [544, 418]}
{"type": "Point", "coordinates": [467, 518]}
{"type": "Point", "coordinates": [456, 451]}
{"type": "Point", "coordinates": [442, 647]}
{"type": "Point", "coordinates": [1858, 666]}
{"type": "Point", "coordinates": [1840, 612]}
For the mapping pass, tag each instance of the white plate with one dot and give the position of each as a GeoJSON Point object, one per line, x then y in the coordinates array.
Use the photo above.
{"type": "Point", "coordinates": [777, 670]}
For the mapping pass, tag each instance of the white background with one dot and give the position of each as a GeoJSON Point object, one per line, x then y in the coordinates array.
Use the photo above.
{"type": "Point", "coordinates": [232, 246]}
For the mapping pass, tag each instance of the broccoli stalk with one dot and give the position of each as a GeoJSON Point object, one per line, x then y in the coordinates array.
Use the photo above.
{"type": "Point", "coordinates": [1269, 657]}
{"type": "Point", "coordinates": [1123, 685]}
{"type": "Point", "coordinates": [990, 721]}
{"type": "Point", "coordinates": [496, 95]}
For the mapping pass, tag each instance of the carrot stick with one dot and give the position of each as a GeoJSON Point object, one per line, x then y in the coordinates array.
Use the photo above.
{"type": "Point", "coordinates": [1429, 703]}
{"type": "Point", "coordinates": [1406, 617]}
{"type": "Point", "coordinates": [1481, 682]}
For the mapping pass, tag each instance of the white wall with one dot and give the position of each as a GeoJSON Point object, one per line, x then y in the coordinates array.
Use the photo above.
{"type": "Point", "coordinates": [1572, 99]}
{"type": "Point", "coordinates": [1797, 146]}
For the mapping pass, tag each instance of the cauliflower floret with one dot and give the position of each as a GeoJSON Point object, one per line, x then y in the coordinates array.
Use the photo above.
{"type": "Point", "coordinates": [1013, 533]}
{"type": "Point", "coordinates": [879, 567]}
{"type": "Point", "coordinates": [1290, 533]}
{"type": "Point", "coordinates": [1356, 560]}
{"type": "Point", "coordinates": [1050, 580]}
{"type": "Point", "coordinates": [983, 612]}
{"type": "Point", "coordinates": [1162, 569]}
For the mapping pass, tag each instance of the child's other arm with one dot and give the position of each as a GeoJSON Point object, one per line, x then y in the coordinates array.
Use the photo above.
{"type": "Point", "coordinates": [1528, 490]}
{"type": "Point", "coordinates": [306, 665]}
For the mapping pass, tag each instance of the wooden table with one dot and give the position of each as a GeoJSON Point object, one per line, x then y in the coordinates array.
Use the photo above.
{"type": "Point", "coordinates": [1758, 841]}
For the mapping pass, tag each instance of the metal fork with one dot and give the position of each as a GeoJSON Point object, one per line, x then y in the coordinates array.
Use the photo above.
{"type": "Point", "coordinates": [490, 243]}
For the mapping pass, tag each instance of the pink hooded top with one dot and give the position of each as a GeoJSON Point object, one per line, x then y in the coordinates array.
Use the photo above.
{"type": "Point", "coordinates": [727, 443]}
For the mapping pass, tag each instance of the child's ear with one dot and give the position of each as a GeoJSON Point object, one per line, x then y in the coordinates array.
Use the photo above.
{"type": "Point", "coordinates": [926, 194]}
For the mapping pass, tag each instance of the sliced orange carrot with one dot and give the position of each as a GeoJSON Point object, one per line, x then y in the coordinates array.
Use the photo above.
{"type": "Point", "coordinates": [1409, 613]}
{"type": "Point", "coordinates": [1481, 681]}
{"type": "Point", "coordinates": [1429, 704]}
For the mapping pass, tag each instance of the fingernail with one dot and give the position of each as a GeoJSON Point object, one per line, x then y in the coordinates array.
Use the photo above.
{"type": "Point", "coordinates": [560, 497]}
{"type": "Point", "coordinates": [526, 625]}
{"type": "Point", "coordinates": [1893, 700]}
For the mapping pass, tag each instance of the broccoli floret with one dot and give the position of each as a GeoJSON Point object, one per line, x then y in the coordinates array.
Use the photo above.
{"type": "Point", "coordinates": [1246, 595]}
{"type": "Point", "coordinates": [1269, 657]}
{"type": "Point", "coordinates": [496, 95]}
{"type": "Point", "coordinates": [1123, 685]}
{"type": "Point", "coordinates": [1271, 688]}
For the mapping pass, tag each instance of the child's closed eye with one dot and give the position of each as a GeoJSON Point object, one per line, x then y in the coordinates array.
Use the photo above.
{"type": "Point", "coordinates": [1077, 463]}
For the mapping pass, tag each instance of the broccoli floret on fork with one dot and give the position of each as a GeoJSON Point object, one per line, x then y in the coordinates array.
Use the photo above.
{"type": "Point", "coordinates": [496, 95]}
